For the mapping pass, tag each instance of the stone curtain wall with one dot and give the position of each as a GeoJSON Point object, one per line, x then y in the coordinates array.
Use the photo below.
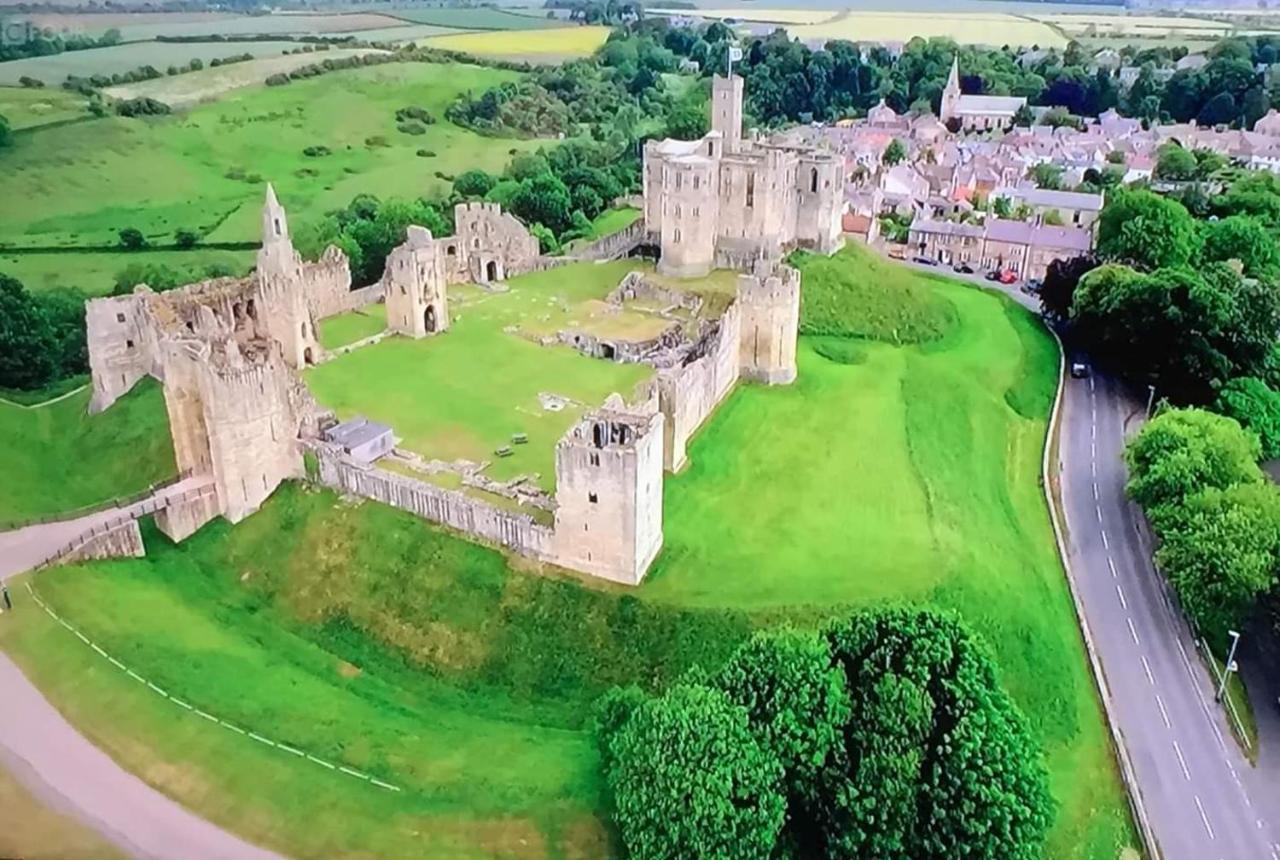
{"type": "Point", "coordinates": [123, 540]}
{"type": "Point", "coordinates": [687, 395]}
{"type": "Point", "coordinates": [326, 284]}
{"type": "Point", "coordinates": [476, 518]}
{"type": "Point", "coordinates": [614, 245]}
{"type": "Point", "coordinates": [346, 301]}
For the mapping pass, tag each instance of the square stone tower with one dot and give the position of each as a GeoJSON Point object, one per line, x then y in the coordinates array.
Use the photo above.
{"type": "Point", "coordinates": [726, 110]}
{"type": "Point", "coordinates": [414, 285]}
{"type": "Point", "coordinates": [770, 302]}
{"type": "Point", "coordinates": [609, 493]}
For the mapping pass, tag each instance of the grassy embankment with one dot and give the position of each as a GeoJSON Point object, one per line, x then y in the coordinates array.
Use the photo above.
{"type": "Point", "coordinates": [356, 632]}
{"type": "Point", "coordinates": [58, 457]}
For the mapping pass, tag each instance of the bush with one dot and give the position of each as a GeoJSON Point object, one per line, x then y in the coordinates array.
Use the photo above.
{"type": "Point", "coordinates": [408, 114]}
{"type": "Point", "coordinates": [473, 183]}
{"type": "Point", "coordinates": [30, 83]}
{"type": "Point", "coordinates": [186, 238]}
{"type": "Point", "coordinates": [1256, 406]}
{"type": "Point", "coordinates": [426, 153]}
{"type": "Point", "coordinates": [277, 80]}
{"type": "Point", "coordinates": [131, 239]}
{"type": "Point", "coordinates": [411, 128]}
{"type": "Point", "coordinates": [316, 151]}
{"type": "Point", "coordinates": [142, 106]}
{"type": "Point", "coordinates": [376, 141]}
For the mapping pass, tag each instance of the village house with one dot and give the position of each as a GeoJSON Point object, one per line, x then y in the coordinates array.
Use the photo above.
{"type": "Point", "coordinates": [1022, 247]}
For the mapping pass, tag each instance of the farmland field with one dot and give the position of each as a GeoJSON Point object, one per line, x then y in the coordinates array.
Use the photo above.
{"type": "Point", "coordinates": [902, 26]}
{"type": "Point", "coordinates": [187, 89]}
{"type": "Point", "coordinates": [94, 273]}
{"type": "Point", "coordinates": [893, 472]}
{"type": "Point", "coordinates": [478, 18]}
{"type": "Point", "coordinates": [552, 45]}
{"type": "Point", "coordinates": [179, 24]}
{"type": "Point", "coordinates": [54, 69]}
{"type": "Point", "coordinates": [28, 108]}
{"type": "Point", "coordinates": [750, 13]}
{"type": "Point", "coordinates": [206, 169]}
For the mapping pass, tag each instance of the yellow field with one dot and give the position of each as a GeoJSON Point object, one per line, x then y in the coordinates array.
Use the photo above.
{"type": "Point", "coordinates": [524, 44]}
{"type": "Point", "coordinates": [976, 29]}
{"type": "Point", "coordinates": [1136, 25]}
{"type": "Point", "coordinates": [768, 16]}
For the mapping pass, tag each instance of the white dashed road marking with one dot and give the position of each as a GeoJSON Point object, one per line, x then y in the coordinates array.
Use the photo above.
{"type": "Point", "coordinates": [1182, 761]}
{"type": "Point", "coordinates": [1123, 603]}
{"type": "Point", "coordinates": [1132, 631]}
{"type": "Point", "coordinates": [1111, 564]}
{"type": "Point", "coordinates": [1146, 667]}
{"type": "Point", "coordinates": [1204, 818]}
{"type": "Point", "coordinates": [1164, 715]}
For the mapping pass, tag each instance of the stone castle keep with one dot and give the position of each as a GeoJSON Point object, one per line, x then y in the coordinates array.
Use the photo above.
{"type": "Point", "coordinates": [228, 352]}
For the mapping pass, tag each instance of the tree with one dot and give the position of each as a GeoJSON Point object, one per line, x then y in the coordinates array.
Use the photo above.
{"type": "Point", "coordinates": [473, 183]}
{"type": "Point", "coordinates": [1175, 163]}
{"type": "Point", "coordinates": [894, 152]}
{"type": "Point", "coordinates": [131, 239]}
{"type": "Point", "coordinates": [935, 761]}
{"type": "Point", "coordinates": [1221, 551]}
{"type": "Point", "coordinates": [1219, 110]}
{"type": "Point", "coordinates": [1024, 117]}
{"type": "Point", "coordinates": [1182, 452]}
{"type": "Point", "coordinates": [688, 779]}
{"type": "Point", "coordinates": [1242, 238]}
{"type": "Point", "coordinates": [1060, 282]}
{"type": "Point", "coordinates": [186, 238]}
{"type": "Point", "coordinates": [1256, 406]}
{"type": "Point", "coordinates": [27, 348]}
{"type": "Point", "coordinates": [795, 698]}
{"type": "Point", "coordinates": [6, 133]}
{"type": "Point", "coordinates": [1048, 175]}
{"type": "Point", "coordinates": [544, 199]}
{"type": "Point", "coordinates": [1146, 230]}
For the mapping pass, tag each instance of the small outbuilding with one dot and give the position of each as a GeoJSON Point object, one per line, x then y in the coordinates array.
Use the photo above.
{"type": "Point", "coordinates": [364, 440]}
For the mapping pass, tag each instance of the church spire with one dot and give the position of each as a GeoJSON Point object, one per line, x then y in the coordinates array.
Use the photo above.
{"type": "Point", "coordinates": [274, 224]}
{"type": "Point", "coordinates": [953, 79]}
{"type": "Point", "coordinates": [276, 257]}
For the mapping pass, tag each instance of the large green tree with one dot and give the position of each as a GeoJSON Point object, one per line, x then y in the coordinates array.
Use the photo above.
{"type": "Point", "coordinates": [1256, 406]}
{"type": "Point", "coordinates": [1175, 163]}
{"type": "Point", "coordinates": [1146, 231]}
{"type": "Point", "coordinates": [689, 779]}
{"type": "Point", "coordinates": [1182, 452]}
{"type": "Point", "coordinates": [28, 350]}
{"type": "Point", "coordinates": [1240, 237]}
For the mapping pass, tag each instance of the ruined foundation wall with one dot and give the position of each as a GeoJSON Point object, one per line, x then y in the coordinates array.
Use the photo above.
{"type": "Point", "coordinates": [326, 284]}
{"type": "Point", "coordinates": [471, 516]}
{"type": "Point", "coordinates": [688, 395]}
{"type": "Point", "coordinates": [123, 540]}
{"type": "Point", "coordinates": [120, 344]}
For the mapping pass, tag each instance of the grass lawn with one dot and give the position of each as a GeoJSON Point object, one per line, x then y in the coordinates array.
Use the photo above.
{"type": "Point", "coordinates": [206, 169]}
{"type": "Point", "coordinates": [351, 327]}
{"type": "Point", "coordinates": [613, 220]}
{"type": "Point", "coordinates": [55, 458]}
{"type": "Point", "coordinates": [28, 108]}
{"type": "Point", "coordinates": [463, 394]}
{"type": "Point", "coordinates": [551, 44]}
{"type": "Point", "coordinates": [361, 634]}
{"type": "Point", "coordinates": [35, 831]}
{"type": "Point", "coordinates": [95, 273]}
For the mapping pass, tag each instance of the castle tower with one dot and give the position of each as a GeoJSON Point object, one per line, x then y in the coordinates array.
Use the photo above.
{"type": "Point", "coordinates": [690, 215]}
{"type": "Point", "coordinates": [770, 304]}
{"type": "Point", "coordinates": [951, 92]}
{"type": "Point", "coordinates": [414, 286]}
{"type": "Point", "coordinates": [609, 493]}
{"type": "Point", "coordinates": [820, 202]}
{"type": "Point", "coordinates": [726, 110]}
{"type": "Point", "coordinates": [276, 257]}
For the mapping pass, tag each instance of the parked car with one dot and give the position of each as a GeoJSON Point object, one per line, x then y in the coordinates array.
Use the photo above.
{"type": "Point", "coordinates": [962, 268]}
{"type": "Point", "coordinates": [924, 261]}
{"type": "Point", "coordinates": [1079, 370]}
{"type": "Point", "coordinates": [1034, 285]}
{"type": "Point", "coordinates": [1008, 276]}
{"type": "Point", "coordinates": [993, 275]}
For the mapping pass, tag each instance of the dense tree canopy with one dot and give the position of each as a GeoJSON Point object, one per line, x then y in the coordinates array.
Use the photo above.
{"type": "Point", "coordinates": [1146, 231]}
{"type": "Point", "coordinates": [1240, 237]}
{"type": "Point", "coordinates": [42, 337]}
{"type": "Point", "coordinates": [1182, 452]}
{"type": "Point", "coordinates": [1256, 406]}
{"type": "Point", "coordinates": [886, 736]}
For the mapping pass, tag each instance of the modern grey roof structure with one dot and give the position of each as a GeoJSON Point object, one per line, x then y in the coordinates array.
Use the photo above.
{"type": "Point", "coordinates": [355, 432]}
{"type": "Point", "coordinates": [1053, 199]}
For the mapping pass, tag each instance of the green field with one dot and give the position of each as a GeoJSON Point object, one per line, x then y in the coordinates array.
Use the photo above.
{"type": "Point", "coordinates": [54, 69]}
{"type": "Point", "coordinates": [95, 273]}
{"type": "Point", "coordinates": [476, 385]}
{"type": "Point", "coordinates": [146, 26]}
{"type": "Point", "coordinates": [28, 108]}
{"type": "Point", "coordinates": [206, 169]}
{"type": "Point", "coordinates": [884, 473]}
{"type": "Point", "coordinates": [350, 327]}
{"type": "Point", "coordinates": [478, 18]}
{"type": "Point", "coordinates": [55, 458]}
{"type": "Point", "coordinates": [546, 46]}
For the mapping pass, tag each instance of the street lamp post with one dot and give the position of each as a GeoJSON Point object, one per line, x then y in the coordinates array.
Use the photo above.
{"type": "Point", "coordinates": [1151, 399]}
{"type": "Point", "coordinates": [1231, 665]}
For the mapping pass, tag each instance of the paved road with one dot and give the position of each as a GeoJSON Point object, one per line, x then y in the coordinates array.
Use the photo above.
{"type": "Point", "coordinates": [1202, 798]}
{"type": "Point", "coordinates": [65, 770]}
{"type": "Point", "coordinates": [71, 775]}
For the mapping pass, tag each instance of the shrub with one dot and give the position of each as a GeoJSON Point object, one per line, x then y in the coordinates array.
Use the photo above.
{"type": "Point", "coordinates": [131, 239]}
{"type": "Point", "coordinates": [426, 153]}
{"type": "Point", "coordinates": [186, 238]}
{"type": "Point", "coordinates": [316, 151]}
{"type": "Point", "coordinates": [412, 128]}
{"type": "Point", "coordinates": [376, 141]}
{"type": "Point", "coordinates": [142, 106]}
{"type": "Point", "coordinates": [30, 83]}
{"type": "Point", "coordinates": [422, 115]}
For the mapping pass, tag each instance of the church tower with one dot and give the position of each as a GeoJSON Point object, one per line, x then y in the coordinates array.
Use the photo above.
{"type": "Point", "coordinates": [951, 92]}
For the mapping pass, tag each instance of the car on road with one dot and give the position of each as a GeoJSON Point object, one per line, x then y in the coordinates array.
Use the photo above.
{"type": "Point", "coordinates": [993, 275]}
{"type": "Point", "coordinates": [1008, 276]}
{"type": "Point", "coordinates": [962, 268]}
{"type": "Point", "coordinates": [924, 261]}
{"type": "Point", "coordinates": [1079, 370]}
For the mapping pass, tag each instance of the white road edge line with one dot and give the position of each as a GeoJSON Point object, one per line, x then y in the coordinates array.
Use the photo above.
{"type": "Point", "coordinates": [1105, 544]}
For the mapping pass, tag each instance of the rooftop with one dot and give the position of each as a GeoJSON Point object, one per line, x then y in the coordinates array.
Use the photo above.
{"type": "Point", "coordinates": [355, 432]}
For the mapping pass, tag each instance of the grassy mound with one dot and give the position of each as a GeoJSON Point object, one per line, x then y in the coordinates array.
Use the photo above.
{"type": "Point", "coordinates": [58, 457]}
{"type": "Point", "coordinates": [857, 293]}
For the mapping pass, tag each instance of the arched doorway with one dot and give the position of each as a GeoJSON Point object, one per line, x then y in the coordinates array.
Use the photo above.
{"type": "Point", "coordinates": [307, 357]}
{"type": "Point", "coordinates": [429, 318]}
{"type": "Point", "coordinates": [491, 271]}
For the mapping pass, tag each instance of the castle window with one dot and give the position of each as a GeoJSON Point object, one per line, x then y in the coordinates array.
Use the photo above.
{"type": "Point", "coordinates": [813, 180]}
{"type": "Point", "coordinates": [119, 318]}
{"type": "Point", "coordinates": [128, 344]}
{"type": "Point", "coordinates": [679, 176]}
{"type": "Point", "coordinates": [711, 150]}
{"type": "Point", "coordinates": [695, 182]}
{"type": "Point", "coordinates": [303, 328]}
{"type": "Point", "coordinates": [751, 190]}
{"type": "Point", "coordinates": [677, 234]}
{"type": "Point", "coordinates": [250, 310]}
{"type": "Point", "coordinates": [277, 223]}
{"type": "Point", "coordinates": [452, 250]}
{"type": "Point", "coordinates": [595, 459]}
{"type": "Point", "coordinates": [592, 498]}
{"type": "Point", "coordinates": [695, 212]}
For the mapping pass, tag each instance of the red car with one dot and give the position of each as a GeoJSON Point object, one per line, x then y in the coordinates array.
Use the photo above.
{"type": "Point", "coordinates": [1008, 276]}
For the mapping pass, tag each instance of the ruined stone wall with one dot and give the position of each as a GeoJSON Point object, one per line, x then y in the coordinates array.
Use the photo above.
{"type": "Point", "coordinates": [283, 311]}
{"type": "Point", "coordinates": [688, 394]}
{"type": "Point", "coordinates": [121, 346]}
{"type": "Point", "coordinates": [414, 283]}
{"type": "Point", "coordinates": [609, 494]}
{"type": "Point", "coordinates": [820, 189]}
{"type": "Point", "coordinates": [326, 284]}
{"type": "Point", "coordinates": [184, 405]}
{"type": "Point", "coordinates": [122, 540]}
{"type": "Point", "coordinates": [770, 307]}
{"type": "Point", "coordinates": [614, 245]}
{"type": "Point", "coordinates": [492, 245]}
{"type": "Point", "coordinates": [471, 516]}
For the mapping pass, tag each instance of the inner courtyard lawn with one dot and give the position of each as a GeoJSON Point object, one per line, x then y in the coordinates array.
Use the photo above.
{"type": "Point", "coordinates": [206, 169]}
{"type": "Point", "coordinates": [58, 457]}
{"type": "Point", "coordinates": [359, 633]}
{"type": "Point", "coordinates": [348, 328]}
{"type": "Point", "coordinates": [464, 394]}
